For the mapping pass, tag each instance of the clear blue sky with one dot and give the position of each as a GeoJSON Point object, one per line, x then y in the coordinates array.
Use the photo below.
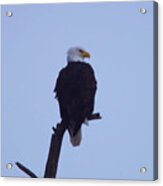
{"type": "Point", "coordinates": [34, 45]}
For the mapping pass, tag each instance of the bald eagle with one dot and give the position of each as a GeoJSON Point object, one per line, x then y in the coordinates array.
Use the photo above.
{"type": "Point", "coordinates": [75, 91]}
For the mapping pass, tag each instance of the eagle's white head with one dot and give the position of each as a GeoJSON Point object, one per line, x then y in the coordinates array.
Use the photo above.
{"type": "Point", "coordinates": [75, 54]}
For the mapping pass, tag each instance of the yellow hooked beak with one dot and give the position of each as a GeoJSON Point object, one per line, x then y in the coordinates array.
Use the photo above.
{"type": "Point", "coordinates": [86, 54]}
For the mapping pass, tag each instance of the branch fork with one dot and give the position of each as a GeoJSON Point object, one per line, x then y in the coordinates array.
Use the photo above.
{"type": "Point", "coordinates": [54, 151]}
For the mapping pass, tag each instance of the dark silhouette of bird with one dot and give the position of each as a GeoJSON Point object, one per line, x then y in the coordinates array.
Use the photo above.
{"type": "Point", "coordinates": [75, 91]}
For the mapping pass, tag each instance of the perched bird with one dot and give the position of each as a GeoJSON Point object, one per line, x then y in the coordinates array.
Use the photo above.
{"type": "Point", "coordinates": [75, 91]}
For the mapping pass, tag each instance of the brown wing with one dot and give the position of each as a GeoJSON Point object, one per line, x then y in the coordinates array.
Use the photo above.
{"type": "Point", "coordinates": [75, 90]}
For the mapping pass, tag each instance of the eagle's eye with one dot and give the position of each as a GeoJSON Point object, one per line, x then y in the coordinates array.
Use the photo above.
{"type": "Point", "coordinates": [81, 51]}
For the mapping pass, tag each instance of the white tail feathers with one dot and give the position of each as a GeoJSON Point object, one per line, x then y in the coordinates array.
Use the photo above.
{"type": "Point", "coordinates": [75, 141]}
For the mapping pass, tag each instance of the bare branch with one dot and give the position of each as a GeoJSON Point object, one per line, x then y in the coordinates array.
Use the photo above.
{"type": "Point", "coordinates": [94, 116]}
{"type": "Point", "coordinates": [54, 151]}
{"type": "Point", "coordinates": [26, 170]}
{"type": "Point", "coordinates": [55, 147]}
